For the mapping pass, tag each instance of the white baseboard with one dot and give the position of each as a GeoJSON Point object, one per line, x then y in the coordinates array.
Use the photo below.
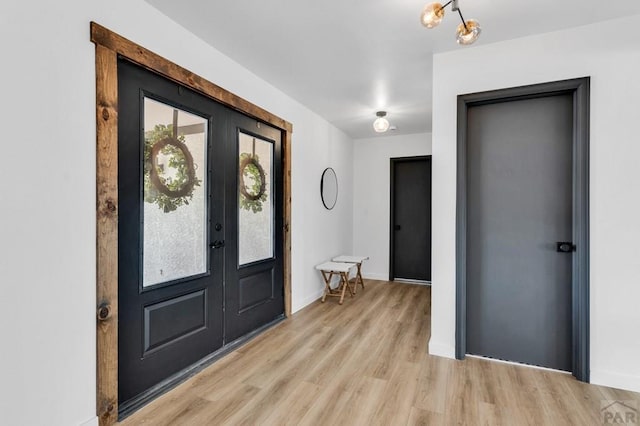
{"type": "Point", "coordinates": [91, 422]}
{"type": "Point", "coordinates": [615, 380]}
{"type": "Point", "coordinates": [373, 276]}
{"type": "Point", "coordinates": [439, 349]}
{"type": "Point", "coordinates": [307, 301]}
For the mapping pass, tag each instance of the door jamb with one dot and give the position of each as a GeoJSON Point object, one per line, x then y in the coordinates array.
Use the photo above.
{"type": "Point", "coordinates": [109, 46]}
{"type": "Point", "coordinates": [392, 236]}
{"type": "Point", "coordinates": [579, 88]}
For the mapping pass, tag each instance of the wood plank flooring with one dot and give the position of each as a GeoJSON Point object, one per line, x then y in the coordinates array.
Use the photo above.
{"type": "Point", "coordinates": [366, 363]}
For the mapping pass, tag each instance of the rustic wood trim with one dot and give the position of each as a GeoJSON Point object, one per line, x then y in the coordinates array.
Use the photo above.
{"type": "Point", "coordinates": [107, 234]}
{"type": "Point", "coordinates": [156, 63]}
{"type": "Point", "coordinates": [109, 46]}
{"type": "Point", "coordinates": [286, 170]}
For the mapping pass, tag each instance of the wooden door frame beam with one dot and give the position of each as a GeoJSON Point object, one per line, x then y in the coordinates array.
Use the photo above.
{"type": "Point", "coordinates": [109, 46]}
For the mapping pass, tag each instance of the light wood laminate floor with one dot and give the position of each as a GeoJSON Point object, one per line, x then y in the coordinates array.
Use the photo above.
{"type": "Point", "coordinates": [366, 363]}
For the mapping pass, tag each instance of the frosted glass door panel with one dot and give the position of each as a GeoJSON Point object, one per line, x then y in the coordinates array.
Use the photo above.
{"type": "Point", "coordinates": [175, 194]}
{"type": "Point", "coordinates": [255, 202]}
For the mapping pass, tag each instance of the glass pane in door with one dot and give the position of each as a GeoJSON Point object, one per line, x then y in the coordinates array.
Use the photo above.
{"type": "Point", "coordinates": [175, 194]}
{"type": "Point", "coordinates": [255, 199]}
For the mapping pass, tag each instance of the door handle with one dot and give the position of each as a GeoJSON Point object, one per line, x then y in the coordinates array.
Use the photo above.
{"type": "Point", "coordinates": [217, 244]}
{"type": "Point", "coordinates": [397, 227]}
{"type": "Point", "coordinates": [565, 247]}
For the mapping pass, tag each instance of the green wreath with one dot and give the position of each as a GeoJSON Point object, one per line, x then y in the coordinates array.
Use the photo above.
{"type": "Point", "coordinates": [254, 194]}
{"type": "Point", "coordinates": [168, 193]}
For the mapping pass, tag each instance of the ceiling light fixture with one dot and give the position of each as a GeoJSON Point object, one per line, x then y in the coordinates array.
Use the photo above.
{"type": "Point", "coordinates": [381, 124]}
{"type": "Point", "coordinates": [467, 32]}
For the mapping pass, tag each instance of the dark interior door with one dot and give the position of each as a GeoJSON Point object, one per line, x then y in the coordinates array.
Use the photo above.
{"type": "Point", "coordinates": [411, 219]}
{"type": "Point", "coordinates": [519, 184]}
{"type": "Point", "coordinates": [185, 290]}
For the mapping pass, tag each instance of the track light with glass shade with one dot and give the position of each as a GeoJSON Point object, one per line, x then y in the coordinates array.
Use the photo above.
{"type": "Point", "coordinates": [381, 124]}
{"type": "Point", "coordinates": [467, 32]}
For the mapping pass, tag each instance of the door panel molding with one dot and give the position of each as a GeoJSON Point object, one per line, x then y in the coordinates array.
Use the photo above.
{"type": "Point", "coordinates": [579, 89]}
{"type": "Point", "coordinates": [173, 330]}
{"type": "Point", "coordinates": [109, 46]}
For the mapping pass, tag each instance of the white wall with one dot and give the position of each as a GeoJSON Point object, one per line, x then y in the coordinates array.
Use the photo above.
{"type": "Point", "coordinates": [371, 199]}
{"type": "Point", "coordinates": [47, 188]}
{"type": "Point", "coordinates": [319, 234]}
{"type": "Point", "coordinates": [609, 53]}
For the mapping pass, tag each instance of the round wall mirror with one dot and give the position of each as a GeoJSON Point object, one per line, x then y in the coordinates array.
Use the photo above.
{"type": "Point", "coordinates": [329, 188]}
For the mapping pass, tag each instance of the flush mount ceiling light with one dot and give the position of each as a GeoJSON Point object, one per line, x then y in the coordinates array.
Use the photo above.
{"type": "Point", "coordinates": [467, 32]}
{"type": "Point", "coordinates": [381, 124]}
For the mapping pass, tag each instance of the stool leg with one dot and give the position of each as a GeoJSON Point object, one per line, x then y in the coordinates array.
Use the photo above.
{"type": "Point", "coordinates": [327, 281]}
{"type": "Point", "coordinates": [359, 276]}
{"type": "Point", "coordinates": [355, 283]}
{"type": "Point", "coordinates": [344, 283]}
{"type": "Point", "coordinates": [352, 290]}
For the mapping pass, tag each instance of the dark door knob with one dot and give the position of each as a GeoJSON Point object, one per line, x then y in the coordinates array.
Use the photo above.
{"type": "Point", "coordinates": [217, 244]}
{"type": "Point", "coordinates": [565, 247]}
{"type": "Point", "coordinates": [397, 227]}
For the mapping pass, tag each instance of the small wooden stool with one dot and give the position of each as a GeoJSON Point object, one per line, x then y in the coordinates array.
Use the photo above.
{"type": "Point", "coordinates": [358, 261]}
{"type": "Point", "coordinates": [328, 270]}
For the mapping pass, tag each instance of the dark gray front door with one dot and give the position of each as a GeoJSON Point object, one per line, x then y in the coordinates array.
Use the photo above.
{"type": "Point", "coordinates": [411, 218]}
{"type": "Point", "coordinates": [200, 261]}
{"type": "Point", "coordinates": [254, 293]}
{"type": "Point", "coordinates": [519, 189]}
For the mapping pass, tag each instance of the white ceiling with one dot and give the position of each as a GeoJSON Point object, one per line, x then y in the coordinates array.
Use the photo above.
{"type": "Point", "coordinates": [346, 60]}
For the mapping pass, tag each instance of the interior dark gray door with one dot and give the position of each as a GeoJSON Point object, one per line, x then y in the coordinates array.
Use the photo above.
{"type": "Point", "coordinates": [519, 192]}
{"type": "Point", "coordinates": [199, 247]}
{"type": "Point", "coordinates": [410, 219]}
